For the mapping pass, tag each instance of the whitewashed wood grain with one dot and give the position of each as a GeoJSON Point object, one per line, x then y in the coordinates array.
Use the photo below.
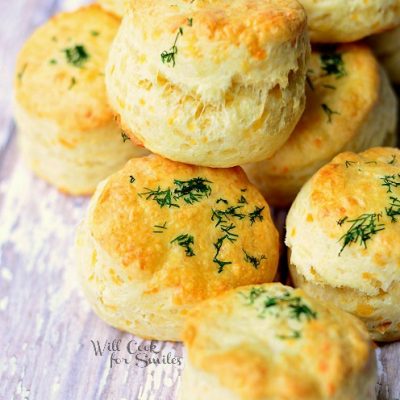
{"type": "Point", "coordinates": [46, 327]}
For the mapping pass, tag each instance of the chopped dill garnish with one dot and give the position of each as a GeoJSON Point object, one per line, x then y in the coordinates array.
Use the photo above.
{"type": "Point", "coordinates": [223, 220]}
{"type": "Point", "coordinates": [333, 64]}
{"type": "Point", "coordinates": [224, 216]}
{"type": "Point", "coordinates": [391, 181]}
{"type": "Point", "coordinates": [242, 200]}
{"type": "Point", "coordinates": [160, 228]}
{"type": "Point", "coordinates": [192, 190]}
{"type": "Point", "coordinates": [168, 56]}
{"type": "Point", "coordinates": [185, 241]}
{"type": "Point", "coordinates": [76, 55]}
{"type": "Point", "coordinates": [131, 179]}
{"type": "Point", "coordinates": [293, 306]}
{"type": "Point", "coordinates": [190, 21]}
{"type": "Point", "coordinates": [217, 245]}
{"type": "Point", "coordinates": [394, 209]}
{"type": "Point", "coordinates": [329, 87]}
{"type": "Point", "coordinates": [342, 221]}
{"type": "Point", "coordinates": [227, 229]}
{"type": "Point", "coordinates": [243, 190]}
{"type": "Point", "coordinates": [124, 136]}
{"type": "Point", "coordinates": [254, 294]}
{"type": "Point", "coordinates": [294, 335]}
{"type": "Point", "coordinates": [256, 215]}
{"type": "Point", "coordinates": [95, 33]}
{"type": "Point", "coordinates": [349, 163]}
{"type": "Point", "coordinates": [162, 197]}
{"type": "Point", "coordinates": [329, 112]}
{"type": "Point", "coordinates": [53, 61]}
{"type": "Point", "coordinates": [361, 230]}
{"type": "Point", "coordinates": [254, 261]}
{"type": "Point", "coordinates": [22, 72]}
{"type": "Point", "coordinates": [393, 160]}
{"type": "Point", "coordinates": [72, 84]}
{"type": "Point", "coordinates": [309, 82]}
{"type": "Point", "coordinates": [371, 162]}
{"type": "Point", "coordinates": [221, 200]}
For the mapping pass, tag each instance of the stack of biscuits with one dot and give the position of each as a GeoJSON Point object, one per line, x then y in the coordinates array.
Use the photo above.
{"type": "Point", "coordinates": [186, 119]}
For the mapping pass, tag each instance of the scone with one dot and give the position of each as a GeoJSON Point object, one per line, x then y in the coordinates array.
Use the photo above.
{"type": "Point", "coordinates": [117, 7]}
{"type": "Point", "coordinates": [273, 342]}
{"type": "Point", "coordinates": [332, 21]}
{"type": "Point", "coordinates": [211, 83]}
{"type": "Point", "coordinates": [343, 235]}
{"type": "Point", "coordinates": [161, 236]}
{"type": "Point", "coordinates": [350, 106]}
{"type": "Point", "coordinates": [67, 133]}
{"type": "Point", "coordinates": [387, 47]}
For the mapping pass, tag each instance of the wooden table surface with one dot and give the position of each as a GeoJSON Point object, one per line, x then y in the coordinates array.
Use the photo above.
{"type": "Point", "coordinates": [47, 330]}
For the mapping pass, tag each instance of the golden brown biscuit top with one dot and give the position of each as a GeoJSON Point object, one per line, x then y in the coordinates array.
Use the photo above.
{"type": "Point", "coordinates": [343, 87]}
{"type": "Point", "coordinates": [199, 230]}
{"type": "Point", "coordinates": [249, 23]}
{"type": "Point", "coordinates": [356, 199]}
{"type": "Point", "coordinates": [60, 69]}
{"type": "Point", "coordinates": [273, 341]}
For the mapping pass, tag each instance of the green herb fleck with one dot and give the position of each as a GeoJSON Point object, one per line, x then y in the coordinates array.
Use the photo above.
{"type": "Point", "coordinates": [77, 55]}
{"type": "Point", "coordinates": [185, 241]}
{"type": "Point", "coordinates": [131, 179]}
{"type": "Point", "coordinates": [393, 160]}
{"type": "Point", "coordinates": [224, 216]}
{"type": "Point", "coordinates": [162, 197]}
{"type": "Point", "coordinates": [256, 215]}
{"type": "Point", "coordinates": [190, 21]}
{"type": "Point", "coordinates": [53, 61]}
{"type": "Point", "coordinates": [253, 295]}
{"type": "Point", "coordinates": [333, 64]}
{"type": "Point", "coordinates": [124, 136]}
{"type": "Point", "coordinates": [361, 230]}
{"type": "Point", "coordinates": [95, 33]}
{"type": "Point", "coordinates": [342, 221]}
{"type": "Point", "coordinates": [391, 181]}
{"type": "Point", "coordinates": [192, 190]}
{"type": "Point", "coordinates": [254, 261]}
{"type": "Point", "coordinates": [22, 72]}
{"type": "Point", "coordinates": [72, 83]}
{"type": "Point", "coordinates": [221, 200]}
{"type": "Point", "coordinates": [160, 228]}
{"type": "Point", "coordinates": [329, 87]}
{"type": "Point", "coordinates": [329, 112]}
{"type": "Point", "coordinates": [168, 56]}
{"type": "Point", "coordinates": [217, 245]}
{"type": "Point", "coordinates": [349, 163]}
{"type": "Point", "coordinates": [294, 335]}
{"type": "Point", "coordinates": [309, 82]}
{"type": "Point", "coordinates": [394, 209]}
{"type": "Point", "coordinates": [242, 200]}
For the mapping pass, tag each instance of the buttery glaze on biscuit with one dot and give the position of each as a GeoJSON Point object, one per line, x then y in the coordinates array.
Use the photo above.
{"type": "Point", "coordinates": [270, 341]}
{"type": "Point", "coordinates": [342, 233]}
{"type": "Point", "coordinates": [211, 83]}
{"type": "Point", "coordinates": [335, 21]}
{"type": "Point", "coordinates": [67, 132]}
{"type": "Point", "coordinates": [161, 236]}
{"type": "Point", "coordinates": [350, 106]}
